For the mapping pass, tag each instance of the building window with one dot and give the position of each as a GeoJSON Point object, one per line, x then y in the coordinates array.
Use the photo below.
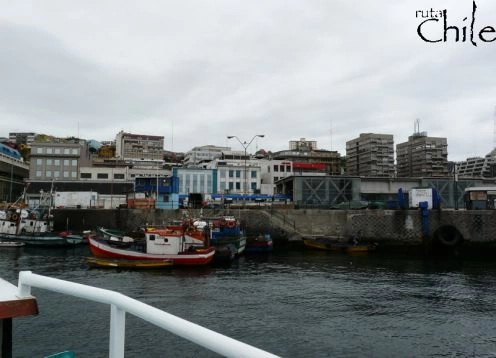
{"type": "Point", "coordinates": [57, 150]}
{"type": "Point", "coordinates": [85, 175]}
{"type": "Point", "coordinates": [48, 174]}
{"type": "Point", "coordinates": [276, 168]}
{"type": "Point", "coordinates": [238, 173]}
{"type": "Point", "coordinates": [75, 151]}
{"type": "Point", "coordinates": [56, 162]}
{"type": "Point", "coordinates": [66, 162]}
{"type": "Point", "coordinates": [39, 161]}
{"type": "Point", "coordinates": [118, 176]}
{"type": "Point", "coordinates": [74, 175]}
{"type": "Point", "coordinates": [102, 176]}
{"type": "Point", "coordinates": [38, 173]}
{"type": "Point", "coordinates": [238, 185]}
{"type": "Point", "coordinates": [288, 168]}
{"type": "Point", "coordinates": [253, 186]}
{"type": "Point", "coordinates": [253, 173]}
{"type": "Point", "coordinates": [39, 150]}
{"type": "Point", "coordinates": [49, 150]}
{"type": "Point", "coordinates": [74, 162]}
{"type": "Point", "coordinates": [231, 184]}
{"type": "Point", "coordinates": [56, 174]}
{"type": "Point", "coordinates": [67, 151]}
{"type": "Point", "coordinates": [66, 174]}
{"type": "Point", "coordinates": [49, 162]}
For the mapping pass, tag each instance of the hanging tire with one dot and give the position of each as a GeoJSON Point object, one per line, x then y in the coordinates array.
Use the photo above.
{"type": "Point", "coordinates": [14, 217]}
{"type": "Point", "coordinates": [448, 236]}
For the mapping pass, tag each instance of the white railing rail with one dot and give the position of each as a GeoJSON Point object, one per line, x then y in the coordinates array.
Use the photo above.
{"type": "Point", "coordinates": [120, 304]}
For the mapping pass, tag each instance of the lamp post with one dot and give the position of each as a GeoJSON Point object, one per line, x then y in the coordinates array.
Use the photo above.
{"type": "Point", "coordinates": [245, 145]}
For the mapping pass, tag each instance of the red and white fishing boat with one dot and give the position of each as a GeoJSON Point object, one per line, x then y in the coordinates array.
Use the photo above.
{"type": "Point", "coordinates": [183, 246]}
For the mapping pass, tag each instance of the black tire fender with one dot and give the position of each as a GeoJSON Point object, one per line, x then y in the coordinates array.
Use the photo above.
{"type": "Point", "coordinates": [449, 236]}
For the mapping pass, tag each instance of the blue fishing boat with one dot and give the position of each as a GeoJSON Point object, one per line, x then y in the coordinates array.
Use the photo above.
{"type": "Point", "coordinates": [227, 237]}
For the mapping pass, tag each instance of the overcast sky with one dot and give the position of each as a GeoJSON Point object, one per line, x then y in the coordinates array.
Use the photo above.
{"type": "Point", "coordinates": [197, 71]}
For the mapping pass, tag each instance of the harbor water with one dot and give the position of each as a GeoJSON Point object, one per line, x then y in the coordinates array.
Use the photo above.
{"type": "Point", "coordinates": [292, 303]}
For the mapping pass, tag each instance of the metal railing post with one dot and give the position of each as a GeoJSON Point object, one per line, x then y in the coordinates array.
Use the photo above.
{"type": "Point", "coordinates": [117, 332]}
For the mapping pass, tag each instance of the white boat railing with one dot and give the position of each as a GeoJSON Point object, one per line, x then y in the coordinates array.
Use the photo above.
{"type": "Point", "coordinates": [120, 304]}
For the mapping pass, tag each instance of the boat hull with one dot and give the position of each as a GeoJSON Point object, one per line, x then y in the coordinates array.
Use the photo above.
{"type": "Point", "coordinates": [11, 244]}
{"type": "Point", "coordinates": [228, 248]}
{"type": "Point", "coordinates": [43, 240]}
{"type": "Point", "coordinates": [328, 245]}
{"type": "Point", "coordinates": [195, 258]}
{"type": "Point", "coordinates": [128, 264]}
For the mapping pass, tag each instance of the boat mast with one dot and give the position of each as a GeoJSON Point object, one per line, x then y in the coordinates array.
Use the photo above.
{"type": "Point", "coordinates": [49, 218]}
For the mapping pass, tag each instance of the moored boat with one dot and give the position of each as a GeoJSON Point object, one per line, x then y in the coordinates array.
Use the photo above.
{"type": "Point", "coordinates": [128, 264]}
{"type": "Point", "coordinates": [157, 245]}
{"type": "Point", "coordinates": [33, 228]}
{"type": "Point", "coordinates": [328, 244]}
{"type": "Point", "coordinates": [227, 237]}
{"type": "Point", "coordinates": [259, 244]}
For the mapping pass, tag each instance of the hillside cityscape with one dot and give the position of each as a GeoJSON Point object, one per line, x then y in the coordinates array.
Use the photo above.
{"type": "Point", "coordinates": [134, 163]}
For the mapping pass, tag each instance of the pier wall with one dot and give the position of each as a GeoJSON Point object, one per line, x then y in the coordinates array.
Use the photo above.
{"type": "Point", "coordinates": [388, 227]}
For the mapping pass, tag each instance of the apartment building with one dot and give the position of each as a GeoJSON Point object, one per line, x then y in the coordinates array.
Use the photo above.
{"type": "Point", "coordinates": [478, 167]}
{"type": "Point", "coordinates": [139, 148]}
{"type": "Point", "coordinates": [422, 156]}
{"type": "Point", "coordinates": [371, 155]}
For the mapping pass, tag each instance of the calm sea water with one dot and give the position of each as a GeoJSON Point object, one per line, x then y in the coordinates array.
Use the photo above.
{"type": "Point", "coordinates": [290, 303]}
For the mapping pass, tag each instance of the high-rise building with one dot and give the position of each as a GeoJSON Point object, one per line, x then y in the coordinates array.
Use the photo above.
{"type": "Point", "coordinates": [370, 154]}
{"type": "Point", "coordinates": [422, 156]}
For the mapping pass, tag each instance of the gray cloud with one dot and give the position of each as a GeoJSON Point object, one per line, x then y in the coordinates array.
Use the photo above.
{"type": "Point", "coordinates": [196, 71]}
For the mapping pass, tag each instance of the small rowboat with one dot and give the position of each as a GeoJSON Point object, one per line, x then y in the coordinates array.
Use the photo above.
{"type": "Point", "coordinates": [128, 264]}
{"type": "Point", "coordinates": [335, 246]}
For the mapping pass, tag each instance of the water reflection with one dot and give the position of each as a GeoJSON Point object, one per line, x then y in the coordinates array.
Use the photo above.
{"type": "Point", "coordinates": [291, 303]}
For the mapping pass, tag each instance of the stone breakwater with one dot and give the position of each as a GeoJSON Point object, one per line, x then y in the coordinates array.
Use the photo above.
{"type": "Point", "coordinates": [388, 228]}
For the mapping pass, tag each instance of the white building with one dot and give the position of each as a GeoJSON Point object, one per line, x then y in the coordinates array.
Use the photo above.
{"type": "Point", "coordinates": [204, 154]}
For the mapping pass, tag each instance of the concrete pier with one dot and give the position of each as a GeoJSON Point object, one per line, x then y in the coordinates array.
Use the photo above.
{"type": "Point", "coordinates": [389, 228]}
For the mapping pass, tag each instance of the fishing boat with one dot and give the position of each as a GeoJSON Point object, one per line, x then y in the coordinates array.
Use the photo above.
{"type": "Point", "coordinates": [128, 264]}
{"type": "Point", "coordinates": [158, 244]}
{"type": "Point", "coordinates": [227, 237]}
{"type": "Point", "coordinates": [259, 244]}
{"type": "Point", "coordinates": [33, 227]}
{"type": "Point", "coordinates": [328, 244]}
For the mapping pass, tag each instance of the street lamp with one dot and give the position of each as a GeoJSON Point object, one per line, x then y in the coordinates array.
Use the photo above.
{"type": "Point", "coordinates": [245, 145]}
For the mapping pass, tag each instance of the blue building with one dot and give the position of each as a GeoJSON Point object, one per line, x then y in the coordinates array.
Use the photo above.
{"type": "Point", "coordinates": [165, 190]}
